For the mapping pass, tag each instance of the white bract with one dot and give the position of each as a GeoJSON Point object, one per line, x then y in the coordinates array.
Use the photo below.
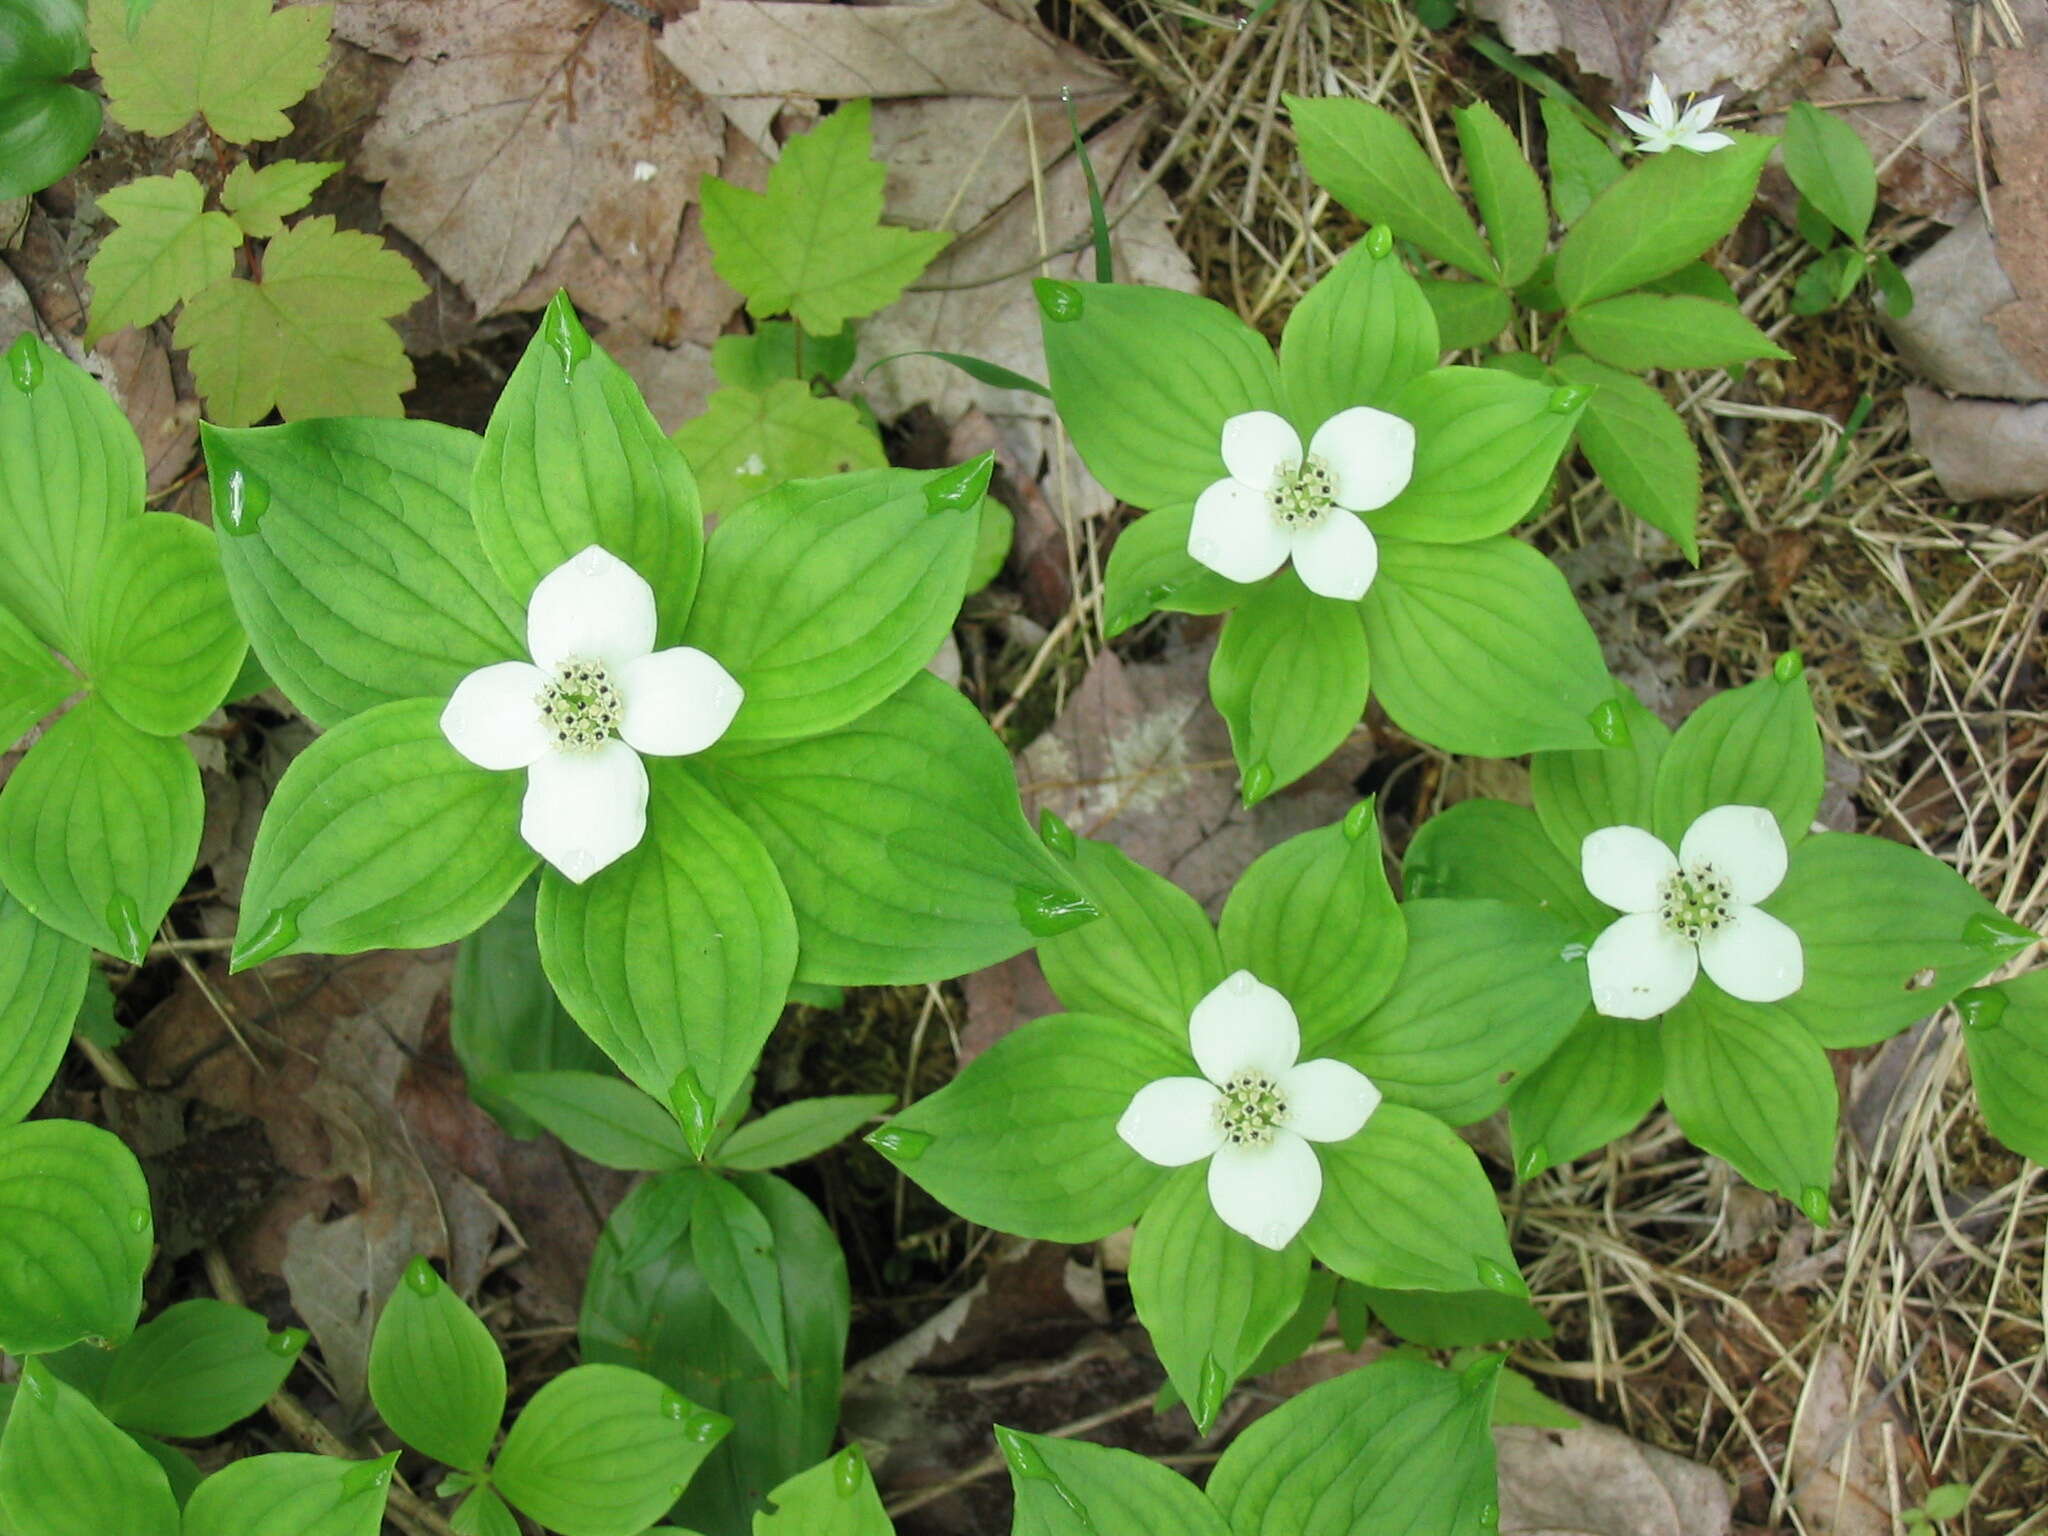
{"type": "Point", "coordinates": [1252, 1113]}
{"type": "Point", "coordinates": [1278, 503]}
{"type": "Point", "coordinates": [1696, 908]}
{"type": "Point", "coordinates": [1666, 127]}
{"type": "Point", "coordinates": [577, 717]}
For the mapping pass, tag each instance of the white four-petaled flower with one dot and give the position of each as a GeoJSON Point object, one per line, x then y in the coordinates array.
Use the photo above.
{"type": "Point", "coordinates": [577, 717]}
{"type": "Point", "coordinates": [1696, 908]}
{"type": "Point", "coordinates": [1278, 502]}
{"type": "Point", "coordinates": [1252, 1113]}
{"type": "Point", "coordinates": [1666, 127]}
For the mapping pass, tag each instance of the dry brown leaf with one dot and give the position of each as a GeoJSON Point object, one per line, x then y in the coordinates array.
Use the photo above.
{"type": "Point", "coordinates": [1593, 1481]}
{"type": "Point", "coordinates": [1980, 449]}
{"type": "Point", "coordinates": [516, 121]}
{"type": "Point", "coordinates": [1837, 1462]}
{"type": "Point", "coordinates": [1692, 45]}
{"type": "Point", "coordinates": [2018, 119]}
{"type": "Point", "coordinates": [1950, 338]}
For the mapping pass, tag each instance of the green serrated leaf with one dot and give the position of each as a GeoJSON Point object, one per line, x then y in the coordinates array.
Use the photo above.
{"type": "Point", "coordinates": [435, 1372]}
{"type": "Point", "coordinates": [1290, 678]}
{"type": "Point", "coordinates": [1368, 160]}
{"type": "Point", "coordinates": [66, 1471]}
{"type": "Point", "coordinates": [1509, 196]}
{"type": "Point", "coordinates": [800, 1130]}
{"type": "Point", "coordinates": [75, 1236]}
{"type": "Point", "coordinates": [1638, 331]}
{"type": "Point", "coordinates": [1830, 165]}
{"type": "Point", "coordinates": [166, 248]}
{"type": "Point", "coordinates": [770, 354]}
{"type": "Point", "coordinates": [1658, 217]}
{"type": "Point", "coordinates": [748, 442]}
{"type": "Point", "coordinates": [312, 338]}
{"type": "Point", "coordinates": [813, 245]}
{"type": "Point", "coordinates": [1581, 164]}
{"type": "Point", "coordinates": [237, 63]}
{"type": "Point", "coordinates": [258, 199]}
{"type": "Point", "coordinates": [162, 644]}
{"type": "Point", "coordinates": [1640, 448]}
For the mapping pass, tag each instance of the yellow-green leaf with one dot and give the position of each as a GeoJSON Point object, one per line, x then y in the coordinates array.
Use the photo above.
{"type": "Point", "coordinates": [749, 441]}
{"type": "Point", "coordinates": [259, 199]}
{"type": "Point", "coordinates": [311, 338]}
{"type": "Point", "coordinates": [166, 248]}
{"type": "Point", "coordinates": [813, 245]}
{"type": "Point", "coordinates": [233, 62]}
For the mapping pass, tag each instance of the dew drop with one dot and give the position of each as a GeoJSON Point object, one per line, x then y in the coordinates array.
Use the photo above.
{"type": "Point", "coordinates": [674, 1406]}
{"type": "Point", "coordinates": [1358, 819]}
{"type": "Point", "coordinates": [367, 1476]}
{"type": "Point", "coordinates": [420, 1277]}
{"type": "Point", "coordinates": [1576, 950]}
{"type": "Point", "coordinates": [694, 1108]}
{"type": "Point", "coordinates": [1610, 725]}
{"type": "Point", "coordinates": [899, 1143]}
{"type": "Point", "coordinates": [564, 333]}
{"type": "Point", "coordinates": [1204, 551]}
{"type": "Point", "coordinates": [1981, 1007]}
{"type": "Point", "coordinates": [1788, 666]}
{"type": "Point", "coordinates": [960, 489]}
{"type": "Point", "coordinates": [25, 363]}
{"type": "Point", "coordinates": [1996, 932]}
{"type": "Point", "coordinates": [1482, 1369]}
{"type": "Point", "coordinates": [1021, 1454]}
{"type": "Point", "coordinates": [1209, 1398]}
{"type": "Point", "coordinates": [1057, 835]}
{"type": "Point", "coordinates": [1813, 1200]}
{"type": "Point", "coordinates": [1048, 912]}
{"type": "Point", "coordinates": [849, 1472]}
{"type": "Point", "coordinates": [705, 1427]}
{"type": "Point", "coordinates": [1058, 301]}
{"type": "Point", "coordinates": [675, 1491]}
{"type": "Point", "coordinates": [1567, 398]}
{"type": "Point", "coordinates": [1498, 1277]}
{"type": "Point", "coordinates": [126, 921]}
{"type": "Point", "coordinates": [1258, 783]}
{"type": "Point", "coordinates": [138, 1220]}
{"type": "Point", "coordinates": [35, 1380]}
{"type": "Point", "coordinates": [287, 1343]}
{"type": "Point", "coordinates": [1489, 1516]}
{"type": "Point", "coordinates": [1379, 242]}
{"type": "Point", "coordinates": [271, 937]}
{"type": "Point", "coordinates": [244, 501]}
{"type": "Point", "coordinates": [1534, 1160]}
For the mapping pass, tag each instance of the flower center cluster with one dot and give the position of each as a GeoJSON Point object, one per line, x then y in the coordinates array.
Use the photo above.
{"type": "Point", "coordinates": [1251, 1109]}
{"type": "Point", "coordinates": [581, 706]}
{"type": "Point", "coordinates": [1695, 902]}
{"type": "Point", "coordinates": [1304, 494]}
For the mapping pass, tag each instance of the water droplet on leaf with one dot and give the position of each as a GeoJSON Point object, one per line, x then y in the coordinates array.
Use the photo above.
{"type": "Point", "coordinates": [564, 333]}
{"type": "Point", "coordinates": [1574, 951]}
{"type": "Point", "coordinates": [138, 1220]}
{"type": "Point", "coordinates": [243, 503]}
{"type": "Point", "coordinates": [1489, 1516]}
{"type": "Point", "coordinates": [960, 489]}
{"type": "Point", "coordinates": [1610, 725]}
{"type": "Point", "coordinates": [674, 1406]}
{"type": "Point", "coordinates": [420, 1277]}
{"type": "Point", "coordinates": [1788, 666]}
{"type": "Point", "coordinates": [367, 1476]}
{"type": "Point", "coordinates": [1058, 301]}
{"type": "Point", "coordinates": [287, 1343]}
{"type": "Point", "coordinates": [1481, 1371]}
{"type": "Point", "coordinates": [1056, 835]}
{"type": "Point", "coordinates": [704, 1427]}
{"type": "Point", "coordinates": [1379, 242]}
{"type": "Point", "coordinates": [1813, 1200]}
{"type": "Point", "coordinates": [1567, 398]}
{"type": "Point", "coordinates": [132, 943]}
{"type": "Point", "coordinates": [1359, 818]}
{"type": "Point", "coordinates": [1258, 783]}
{"type": "Point", "coordinates": [1996, 932]}
{"type": "Point", "coordinates": [1021, 1454]}
{"type": "Point", "coordinates": [1532, 1162]}
{"type": "Point", "coordinates": [695, 1110]}
{"type": "Point", "coordinates": [849, 1472]}
{"type": "Point", "coordinates": [1209, 1399]}
{"type": "Point", "coordinates": [899, 1143]}
{"type": "Point", "coordinates": [1049, 912]}
{"type": "Point", "coordinates": [1498, 1277]}
{"type": "Point", "coordinates": [1981, 1007]}
{"type": "Point", "coordinates": [271, 937]}
{"type": "Point", "coordinates": [25, 362]}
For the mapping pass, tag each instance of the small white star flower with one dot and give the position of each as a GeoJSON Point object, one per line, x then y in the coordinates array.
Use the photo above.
{"type": "Point", "coordinates": [1252, 1113]}
{"type": "Point", "coordinates": [1666, 127]}
{"type": "Point", "coordinates": [1278, 503]}
{"type": "Point", "coordinates": [577, 717]}
{"type": "Point", "coordinates": [1697, 908]}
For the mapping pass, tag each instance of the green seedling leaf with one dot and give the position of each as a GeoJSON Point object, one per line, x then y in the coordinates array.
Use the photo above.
{"type": "Point", "coordinates": [607, 1121]}
{"type": "Point", "coordinates": [48, 123]}
{"type": "Point", "coordinates": [1639, 331]}
{"type": "Point", "coordinates": [291, 1495]}
{"type": "Point", "coordinates": [75, 1236]}
{"type": "Point", "coordinates": [166, 247]}
{"type": "Point", "coordinates": [813, 245]}
{"type": "Point", "coordinates": [835, 1498]}
{"type": "Point", "coordinates": [195, 1368]}
{"type": "Point", "coordinates": [66, 1471]}
{"type": "Point", "coordinates": [1831, 167]}
{"type": "Point", "coordinates": [311, 338]}
{"type": "Point", "coordinates": [1074, 1488]}
{"type": "Point", "coordinates": [995, 375]}
{"type": "Point", "coordinates": [800, 1130]}
{"type": "Point", "coordinates": [748, 442]}
{"type": "Point", "coordinates": [43, 977]}
{"type": "Point", "coordinates": [1641, 449]}
{"type": "Point", "coordinates": [1662, 214]}
{"type": "Point", "coordinates": [735, 1248]}
{"type": "Point", "coordinates": [237, 63]}
{"type": "Point", "coordinates": [162, 644]}
{"type": "Point", "coordinates": [435, 1372]}
{"type": "Point", "coordinates": [1290, 679]}
{"type": "Point", "coordinates": [259, 199]}
{"type": "Point", "coordinates": [1509, 196]}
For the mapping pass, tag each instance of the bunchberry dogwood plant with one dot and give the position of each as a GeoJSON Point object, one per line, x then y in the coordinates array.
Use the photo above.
{"type": "Point", "coordinates": [1665, 127]}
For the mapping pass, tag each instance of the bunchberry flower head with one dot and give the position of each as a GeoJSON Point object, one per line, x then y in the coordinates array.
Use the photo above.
{"type": "Point", "coordinates": [1280, 503]}
{"type": "Point", "coordinates": [577, 717]}
{"type": "Point", "coordinates": [1696, 908]}
{"type": "Point", "coordinates": [1667, 128]}
{"type": "Point", "coordinates": [1252, 1113]}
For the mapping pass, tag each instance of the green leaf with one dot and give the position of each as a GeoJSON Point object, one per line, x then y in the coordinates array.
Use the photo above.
{"type": "Point", "coordinates": [1407, 1207]}
{"type": "Point", "coordinates": [1832, 169]}
{"type": "Point", "coordinates": [1753, 745]}
{"type": "Point", "coordinates": [607, 1121]}
{"type": "Point", "coordinates": [483, 1513]}
{"type": "Point", "coordinates": [1517, 1400]}
{"type": "Point", "coordinates": [1368, 160]}
{"type": "Point", "coordinates": [1597, 1086]}
{"type": "Point", "coordinates": [381, 836]}
{"type": "Point", "coordinates": [572, 457]}
{"type": "Point", "coordinates": [1746, 1082]}
{"type": "Point", "coordinates": [1075, 1488]}
{"type": "Point", "coordinates": [195, 1368]}
{"type": "Point", "coordinates": [1509, 196]}
{"type": "Point", "coordinates": [1658, 217]}
{"type": "Point", "coordinates": [179, 1470]}
{"type": "Point", "coordinates": [43, 978]}
{"type": "Point", "coordinates": [1580, 792]}
{"type": "Point", "coordinates": [166, 247]}
{"type": "Point", "coordinates": [1486, 444]}
{"type": "Point", "coordinates": [1024, 1139]}
{"type": "Point", "coordinates": [703, 1000]}
{"type": "Point", "coordinates": [1356, 338]}
{"type": "Point", "coordinates": [98, 829]}
{"type": "Point", "coordinates": [47, 124]}
{"type": "Point", "coordinates": [1397, 1445]}
{"type": "Point", "coordinates": [504, 1017]}
{"type": "Point", "coordinates": [291, 1495]}
{"type": "Point", "coordinates": [1892, 287]}
{"type": "Point", "coordinates": [825, 597]}
{"type": "Point", "coordinates": [161, 641]}
{"type": "Point", "coordinates": [1480, 648]}
{"type": "Point", "coordinates": [1145, 378]}
{"type": "Point", "coordinates": [66, 1471]}
{"type": "Point", "coordinates": [901, 842]}
{"type": "Point", "coordinates": [259, 199]}
{"type": "Point", "coordinates": [801, 1130]}
{"type": "Point", "coordinates": [735, 1248]}
{"type": "Point", "coordinates": [1488, 991]}
{"type": "Point", "coordinates": [1700, 279]}
{"type": "Point", "coordinates": [600, 1451]}
{"type": "Point", "coordinates": [748, 442]}
{"type": "Point", "coordinates": [1449, 1319]}
{"type": "Point", "coordinates": [70, 471]}
{"type": "Point", "coordinates": [1315, 919]}
{"type": "Point", "coordinates": [1467, 314]}
{"type": "Point", "coordinates": [1581, 164]}
{"type": "Point", "coordinates": [435, 1372]}
{"type": "Point", "coordinates": [310, 339]}
{"type": "Point", "coordinates": [75, 1236]}
{"type": "Point", "coordinates": [1490, 849]}
{"type": "Point", "coordinates": [1641, 449]}
{"type": "Point", "coordinates": [1289, 677]}
{"type": "Point", "coordinates": [2006, 1034]}
{"type": "Point", "coordinates": [835, 1498]}
{"type": "Point", "coordinates": [1889, 935]}
{"type": "Point", "coordinates": [32, 681]}
{"type": "Point", "coordinates": [994, 532]}
{"type": "Point", "coordinates": [1151, 956]}
{"type": "Point", "coordinates": [353, 563]}
{"type": "Point", "coordinates": [1638, 331]}
{"type": "Point", "coordinates": [662, 1317]}
{"type": "Point", "coordinates": [236, 63]}
{"type": "Point", "coordinates": [813, 244]}
{"type": "Point", "coordinates": [1210, 1298]}
{"type": "Point", "coordinates": [1150, 568]}
{"type": "Point", "coordinates": [769, 354]}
